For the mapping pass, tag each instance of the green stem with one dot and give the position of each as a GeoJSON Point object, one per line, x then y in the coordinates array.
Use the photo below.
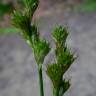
{"type": "Point", "coordinates": [55, 92]}
{"type": "Point", "coordinates": [40, 75]}
{"type": "Point", "coordinates": [41, 81]}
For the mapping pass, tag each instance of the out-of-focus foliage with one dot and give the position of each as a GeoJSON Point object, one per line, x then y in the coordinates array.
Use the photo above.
{"type": "Point", "coordinates": [5, 8]}
{"type": "Point", "coordinates": [8, 30]}
{"type": "Point", "coordinates": [87, 6]}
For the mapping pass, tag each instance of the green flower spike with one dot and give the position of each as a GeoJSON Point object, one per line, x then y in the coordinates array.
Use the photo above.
{"type": "Point", "coordinates": [20, 21]}
{"type": "Point", "coordinates": [56, 72]}
{"type": "Point", "coordinates": [30, 7]}
{"type": "Point", "coordinates": [64, 58]}
{"type": "Point", "coordinates": [41, 49]}
{"type": "Point", "coordinates": [59, 35]}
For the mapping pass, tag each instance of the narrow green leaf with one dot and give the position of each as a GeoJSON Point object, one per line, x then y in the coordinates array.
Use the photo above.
{"type": "Point", "coordinates": [8, 30]}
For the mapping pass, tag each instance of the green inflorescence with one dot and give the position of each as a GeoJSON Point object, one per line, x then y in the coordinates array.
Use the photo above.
{"type": "Point", "coordinates": [60, 34]}
{"type": "Point", "coordinates": [30, 7]}
{"type": "Point", "coordinates": [41, 49]}
{"type": "Point", "coordinates": [29, 30]}
{"type": "Point", "coordinates": [64, 58]}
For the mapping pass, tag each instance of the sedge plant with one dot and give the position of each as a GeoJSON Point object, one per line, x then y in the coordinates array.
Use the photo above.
{"type": "Point", "coordinates": [22, 19]}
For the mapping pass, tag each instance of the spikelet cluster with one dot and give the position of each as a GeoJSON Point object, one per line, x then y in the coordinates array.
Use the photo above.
{"type": "Point", "coordinates": [64, 58]}
{"type": "Point", "coordinates": [22, 20]}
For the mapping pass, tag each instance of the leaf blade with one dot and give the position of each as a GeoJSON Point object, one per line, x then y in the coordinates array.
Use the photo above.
{"type": "Point", "coordinates": [8, 30]}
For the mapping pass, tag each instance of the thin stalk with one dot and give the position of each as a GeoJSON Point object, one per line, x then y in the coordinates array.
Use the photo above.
{"type": "Point", "coordinates": [55, 92]}
{"type": "Point", "coordinates": [41, 81]}
{"type": "Point", "coordinates": [40, 75]}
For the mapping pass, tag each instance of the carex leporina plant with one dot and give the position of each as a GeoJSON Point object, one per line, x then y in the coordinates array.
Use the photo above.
{"type": "Point", "coordinates": [22, 19]}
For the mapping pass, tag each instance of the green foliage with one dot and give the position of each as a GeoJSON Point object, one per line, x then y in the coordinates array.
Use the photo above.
{"type": "Point", "coordinates": [87, 6]}
{"type": "Point", "coordinates": [8, 30]}
{"type": "Point", "coordinates": [5, 8]}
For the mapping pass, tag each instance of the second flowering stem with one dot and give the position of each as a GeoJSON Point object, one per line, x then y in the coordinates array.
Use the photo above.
{"type": "Point", "coordinates": [41, 81]}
